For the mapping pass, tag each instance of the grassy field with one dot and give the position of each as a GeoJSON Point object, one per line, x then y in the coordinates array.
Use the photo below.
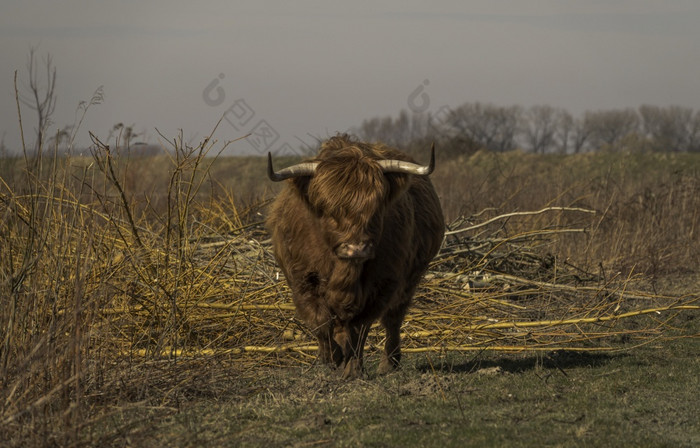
{"type": "Point", "coordinates": [646, 397]}
{"type": "Point", "coordinates": [141, 307]}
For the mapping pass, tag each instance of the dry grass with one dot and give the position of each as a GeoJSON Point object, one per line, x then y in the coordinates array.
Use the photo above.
{"type": "Point", "coordinates": [131, 286]}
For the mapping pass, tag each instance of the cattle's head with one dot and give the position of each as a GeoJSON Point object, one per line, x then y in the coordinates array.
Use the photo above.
{"type": "Point", "coordinates": [349, 186]}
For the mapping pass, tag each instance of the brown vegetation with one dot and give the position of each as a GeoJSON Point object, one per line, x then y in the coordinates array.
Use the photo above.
{"type": "Point", "coordinates": [119, 293]}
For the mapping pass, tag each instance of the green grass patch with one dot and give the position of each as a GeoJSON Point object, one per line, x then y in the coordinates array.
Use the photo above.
{"type": "Point", "coordinates": [644, 397]}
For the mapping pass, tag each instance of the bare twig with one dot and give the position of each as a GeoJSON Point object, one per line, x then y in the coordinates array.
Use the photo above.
{"type": "Point", "coordinates": [509, 215]}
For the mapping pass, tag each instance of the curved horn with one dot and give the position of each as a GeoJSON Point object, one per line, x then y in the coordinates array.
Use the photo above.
{"type": "Point", "coordinates": [400, 166]}
{"type": "Point", "coordinates": [301, 169]}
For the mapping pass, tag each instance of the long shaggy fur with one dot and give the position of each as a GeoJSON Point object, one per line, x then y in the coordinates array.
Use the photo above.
{"type": "Point", "coordinates": [349, 199]}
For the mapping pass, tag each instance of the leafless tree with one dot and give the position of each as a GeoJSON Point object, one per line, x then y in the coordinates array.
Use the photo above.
{"type": "Point", "coordinates": [578, 135]}
{"type": "Point", "coordinates": [377, 129]}
{"type": "Point", "coordinates": [694, 143]}
{"type": "Point", "coordinates": [491, 126]}
{"type": "Point", "coordinates": [40, 94]}
{"type": "Point", "coordinates": [671, 128]}
{"type": "Point", "coordinates": [608, 127]}
{"type": "Point", "coordinates": [564, 131]}
{"type": "Point", "coordinates": [539, 128]}
{"type": "Point", "coordinates": [3, 148]}
{"type": "Point", "coordinates": [400, 132]}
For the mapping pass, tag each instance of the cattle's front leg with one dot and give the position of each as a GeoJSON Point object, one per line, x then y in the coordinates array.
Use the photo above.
{"type": "Point", "coordinates": [329, 352]}
{"type": "Point", "coordinates": [318, 318]}
{"type": "Point", "coordinates": [351, 337]}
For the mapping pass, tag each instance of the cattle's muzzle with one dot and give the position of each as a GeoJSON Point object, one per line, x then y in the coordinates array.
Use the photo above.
{"type": "Point", "coordinates": [355, 251]}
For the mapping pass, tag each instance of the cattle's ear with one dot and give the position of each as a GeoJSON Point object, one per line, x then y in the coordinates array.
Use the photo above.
{"type": "Point", "coordinates": [398, 184]}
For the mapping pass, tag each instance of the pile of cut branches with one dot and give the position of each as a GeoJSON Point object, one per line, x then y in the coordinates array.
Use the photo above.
{"type": "Point", "coordinates": [484, 291]}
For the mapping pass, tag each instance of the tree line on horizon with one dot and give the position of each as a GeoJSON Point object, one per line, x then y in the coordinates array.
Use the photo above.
{"type": "Point", "coordinates": [540, 129]}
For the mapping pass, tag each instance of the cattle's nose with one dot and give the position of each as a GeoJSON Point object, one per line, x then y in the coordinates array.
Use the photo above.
{"type": "Point", "coordinates": [361, 250]}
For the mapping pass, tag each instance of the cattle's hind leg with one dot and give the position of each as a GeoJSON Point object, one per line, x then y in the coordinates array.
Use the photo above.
{"type": "Point", "coordinates": [392, 348]}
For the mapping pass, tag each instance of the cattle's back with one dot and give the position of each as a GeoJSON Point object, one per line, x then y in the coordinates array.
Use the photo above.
{"type": "Point", "coordinates": [429, 220]}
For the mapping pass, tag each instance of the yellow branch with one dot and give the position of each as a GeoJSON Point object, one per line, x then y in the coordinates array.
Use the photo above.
{"type": "Point", "coordinates": [545, 323]}
{"type": "Point", "coordinates": [215, 306]}
{"type": "Point", "coordinates": [440, 348]}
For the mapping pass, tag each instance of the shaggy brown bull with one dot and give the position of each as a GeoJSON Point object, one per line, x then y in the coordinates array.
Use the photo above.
{"type": "Point", "coordinates": [353, 231]}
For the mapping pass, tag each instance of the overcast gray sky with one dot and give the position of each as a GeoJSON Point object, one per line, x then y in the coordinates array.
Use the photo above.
{"type": "Point", "coordinates": [318, 67]}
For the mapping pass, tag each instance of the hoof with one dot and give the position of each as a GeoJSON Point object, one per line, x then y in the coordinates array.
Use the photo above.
{"type": "Point", "coordinates": [389, 364]}
{"type": "Point", "coordinates": [352, 370]}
